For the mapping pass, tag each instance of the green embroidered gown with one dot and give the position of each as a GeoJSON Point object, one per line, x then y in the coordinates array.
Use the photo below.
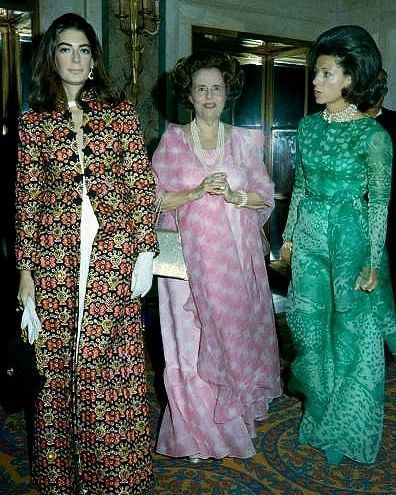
{"type": "Point", "coordinates": [337, 223]}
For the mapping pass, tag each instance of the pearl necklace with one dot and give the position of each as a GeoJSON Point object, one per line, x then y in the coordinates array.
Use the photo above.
{"type": "Point", "coordinates": [349, 113]}
{"type": "Point", "coordinates": [204, 157]}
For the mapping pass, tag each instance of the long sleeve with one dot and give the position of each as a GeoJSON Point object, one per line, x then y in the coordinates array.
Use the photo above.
{"type": "Point", "coordinates": [141, 182]}
{"type": "Point", "coordinates": [29, 182]}
{"type": "Point", "coordinates": [379, 185]}
{"type": "Point", "coordinates": [298, 193]}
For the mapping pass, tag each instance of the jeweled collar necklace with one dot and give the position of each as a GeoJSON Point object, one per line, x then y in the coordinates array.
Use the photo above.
{"type": "Point", "coordinates": [349, 113]}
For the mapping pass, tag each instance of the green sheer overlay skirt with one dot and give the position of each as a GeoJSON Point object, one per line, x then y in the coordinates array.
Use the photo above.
{"type": "Point", "coordinates": [338, 332]}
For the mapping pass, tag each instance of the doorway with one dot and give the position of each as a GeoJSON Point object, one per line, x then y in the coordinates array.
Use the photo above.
{"type": "Point", "coordinates": [17, 25]}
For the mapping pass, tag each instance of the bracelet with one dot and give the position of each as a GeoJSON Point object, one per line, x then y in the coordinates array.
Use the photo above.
{"type": "Point", "coordinates": [244, 199]}
{"type": "Point", "coordinates": [288, 245]}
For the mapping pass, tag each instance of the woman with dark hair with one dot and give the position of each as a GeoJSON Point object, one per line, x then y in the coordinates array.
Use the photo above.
{"type": "Point", "coordinates": [47, 84]}
{"type": "Point", "coordinates": [340, 307]}
{"type": "Point", "coordinates": [218, 329]}
{"type": "Point", "coordinates": [85, 243]}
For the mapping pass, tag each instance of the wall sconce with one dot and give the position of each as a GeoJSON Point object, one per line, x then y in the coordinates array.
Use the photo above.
{"type": "Point", "coordinates": [138, 18]}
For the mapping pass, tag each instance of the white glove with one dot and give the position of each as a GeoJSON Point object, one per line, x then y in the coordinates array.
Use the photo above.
{"type": "Point", "coordinates": [30, 320]}
{"type": "Point", "coordinates": [142, 275]}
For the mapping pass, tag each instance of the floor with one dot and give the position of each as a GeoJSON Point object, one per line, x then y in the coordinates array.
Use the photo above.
{"type": "Point", "coordinates": [280, 467]}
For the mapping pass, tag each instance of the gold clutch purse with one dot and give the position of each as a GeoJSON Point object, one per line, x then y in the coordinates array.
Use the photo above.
{"type": "Point", "coordinates": [170, 260]}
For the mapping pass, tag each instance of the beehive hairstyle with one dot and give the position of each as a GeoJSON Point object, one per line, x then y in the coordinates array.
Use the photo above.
{"type": "Point", "coordinates": [357, 54]}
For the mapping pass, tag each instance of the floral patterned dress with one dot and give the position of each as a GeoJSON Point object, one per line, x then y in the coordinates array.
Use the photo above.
{"type": "Point", "coordinates": [91, 421]}
{"type": "Point", "coordinates": [219, 338]}
{"type": "Point", "coordinates": [337, 222]}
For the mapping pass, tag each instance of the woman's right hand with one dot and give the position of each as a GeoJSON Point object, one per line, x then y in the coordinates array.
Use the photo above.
{"type": "Point", "coordinates": [285, 252]}
{"type": "Point", "coordinates": [26, 287]}
{"type": "Point", "coordinates": [367, 280]}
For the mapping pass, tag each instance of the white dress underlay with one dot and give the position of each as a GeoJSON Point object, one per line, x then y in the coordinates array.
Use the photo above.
{"type": "Point", "coordinates": [88, 229]}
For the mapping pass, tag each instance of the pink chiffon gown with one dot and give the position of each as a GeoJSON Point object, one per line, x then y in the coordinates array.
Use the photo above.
{"type": "Point", "coordinates": [218, 331]}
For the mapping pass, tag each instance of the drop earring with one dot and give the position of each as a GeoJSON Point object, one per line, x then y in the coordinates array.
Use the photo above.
{"type": "Point", "coordinates": [90, 74]}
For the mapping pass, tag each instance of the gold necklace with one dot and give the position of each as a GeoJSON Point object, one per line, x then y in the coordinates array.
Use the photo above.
{"type": "Point", "coordinates": [349, 113]}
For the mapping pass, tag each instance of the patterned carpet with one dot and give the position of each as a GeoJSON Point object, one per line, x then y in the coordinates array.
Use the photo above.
{"type": "Point", "coordinates": [280, 467]}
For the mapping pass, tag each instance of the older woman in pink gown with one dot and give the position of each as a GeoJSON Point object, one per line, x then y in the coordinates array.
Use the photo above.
{"type": "Point", "coordinates": [222, 365]}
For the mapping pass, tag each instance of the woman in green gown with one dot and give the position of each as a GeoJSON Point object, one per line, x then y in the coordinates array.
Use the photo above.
{"type": "Point", "coordinates": [340, 306]}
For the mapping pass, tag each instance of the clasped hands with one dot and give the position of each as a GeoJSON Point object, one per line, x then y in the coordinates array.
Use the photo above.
{"type": "Point", "coordinates": [217, 183]}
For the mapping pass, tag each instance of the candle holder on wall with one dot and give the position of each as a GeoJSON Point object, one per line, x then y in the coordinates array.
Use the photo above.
{"type": "Point", "coordinates": [138, 18]}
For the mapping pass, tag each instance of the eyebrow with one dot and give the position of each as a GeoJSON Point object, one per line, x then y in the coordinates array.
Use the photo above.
{"type": "Point", "coordinates": [71, 44]}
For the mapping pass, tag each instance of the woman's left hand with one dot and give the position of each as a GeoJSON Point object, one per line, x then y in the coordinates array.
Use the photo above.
{"type": "Point", "coordinates": [285, 252]}
{"type": "Point", "coordinates": [227, 192]}
{"type": "Point", "coordinates": [367, 280]}
{"type": "Point", "coordinates": [252, 200]}
{"type": "Point", "coordinates": [142, 275]}
{"type": "Point", "coordinates": [229, 195]}
{"type": "Point", "coordinates": [216, 183]}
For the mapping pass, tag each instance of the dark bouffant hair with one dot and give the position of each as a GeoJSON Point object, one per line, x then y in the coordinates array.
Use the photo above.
{"type": "Point", "coordinates": [47, 92]}
{"type": "Point", "coordinates": [185, 68]}
{"type": "Point", "coordinates": [357, 53]}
